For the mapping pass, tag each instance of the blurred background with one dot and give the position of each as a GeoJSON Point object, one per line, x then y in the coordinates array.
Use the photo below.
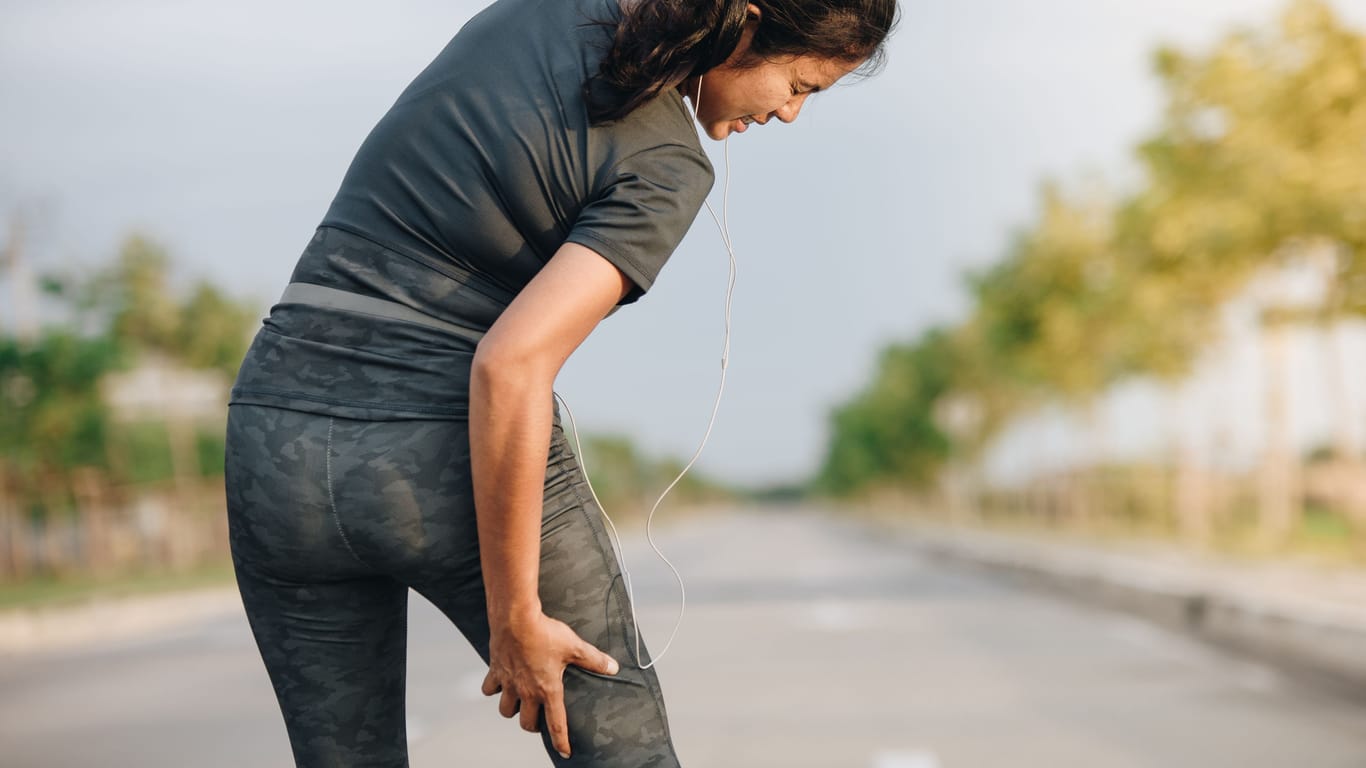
{"type": "Point", "coordinates": [1069, 296]}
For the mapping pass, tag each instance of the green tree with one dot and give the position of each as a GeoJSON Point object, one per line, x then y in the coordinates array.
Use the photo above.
{"type": "Point", "coordinates": [1259, 158]}
{"type": "Point", "coordinates": [143, 310]}
{"type": "Point", "coordinates": [887, 434]}
{"type": "Point", "coordinates": [52, 417]}
{"type": "Point", "coordinates": [623, 477]}
{"type": "Point", "coordinates": [205, 329]}
{"type": "Point", "coordinates": [212, 331]}
{"type": "Point", "coordinates": [1260, 163]}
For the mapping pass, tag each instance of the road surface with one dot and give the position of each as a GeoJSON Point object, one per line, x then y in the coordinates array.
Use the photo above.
{"type": "Point", "coordinates": [807, 643]}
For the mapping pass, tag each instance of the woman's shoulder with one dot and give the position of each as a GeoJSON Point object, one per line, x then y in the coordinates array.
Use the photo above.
{"type": "Point", "coordinates": [520, 41]}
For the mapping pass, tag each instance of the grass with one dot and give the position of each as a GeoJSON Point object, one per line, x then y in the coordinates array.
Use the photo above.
{"type": "Point", "coordinates": [1325, 536]}
{"type": "Point", "coordinates": [50, 592]}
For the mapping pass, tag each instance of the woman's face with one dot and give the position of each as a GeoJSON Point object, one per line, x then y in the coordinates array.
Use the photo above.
{"type": "Point", "coordinates": [732, 97]}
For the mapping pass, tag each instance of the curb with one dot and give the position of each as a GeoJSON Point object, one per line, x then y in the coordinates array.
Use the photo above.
{"type": "Point", "coordinates": [1320, 638]}
{"type": "Point", "coordinates": [72, 627]}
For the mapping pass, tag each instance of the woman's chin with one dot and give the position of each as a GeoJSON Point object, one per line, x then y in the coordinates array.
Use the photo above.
{"type": "Point", "coordinates": [718, 131]}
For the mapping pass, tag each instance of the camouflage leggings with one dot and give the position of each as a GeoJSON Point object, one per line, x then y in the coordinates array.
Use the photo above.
{"type": "Point", "coordinates": [332, 520]}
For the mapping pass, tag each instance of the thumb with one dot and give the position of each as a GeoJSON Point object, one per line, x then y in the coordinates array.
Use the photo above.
{"type": "Point", "coordinates": [593, 659]}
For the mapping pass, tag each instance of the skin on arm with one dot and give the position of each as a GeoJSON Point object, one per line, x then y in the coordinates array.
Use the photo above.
{"type": "Point", "coordinates": [511, 381]}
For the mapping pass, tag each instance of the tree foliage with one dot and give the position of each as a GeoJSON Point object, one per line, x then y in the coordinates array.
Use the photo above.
{"type": "Point", "coordinates": [889, 429]}
{"type": "Point", "coordinates": [52, 415]}
{"type": "Point", "coordinates": [623, 477]}
{"type": "Point", "coordinates": [1259, 155]}
{"type": "Point", "coordinates": [134, 302]}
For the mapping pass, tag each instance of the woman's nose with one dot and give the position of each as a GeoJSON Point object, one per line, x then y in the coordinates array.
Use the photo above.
{"type": "Point", "coordinates": [788, 112]}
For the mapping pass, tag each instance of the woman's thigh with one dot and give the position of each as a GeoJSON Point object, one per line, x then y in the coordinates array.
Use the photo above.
{"type": "Point", "coordinates": [330, 629]}
{"type": "Point", "coordinates": [614, 720]}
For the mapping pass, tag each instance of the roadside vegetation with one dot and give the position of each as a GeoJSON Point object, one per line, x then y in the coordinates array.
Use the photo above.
{"type": "Point", "coordinates": [113, 390]}
{"type": "Point", "coordinates": [1254, 182]}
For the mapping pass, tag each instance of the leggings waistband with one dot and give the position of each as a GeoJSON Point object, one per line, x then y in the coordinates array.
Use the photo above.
{"type": "Point", "coordinates": [333, 298]}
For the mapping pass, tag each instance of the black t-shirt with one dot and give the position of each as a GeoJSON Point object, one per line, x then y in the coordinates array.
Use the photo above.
{"type": "Point", "coordinates": [484, 166]}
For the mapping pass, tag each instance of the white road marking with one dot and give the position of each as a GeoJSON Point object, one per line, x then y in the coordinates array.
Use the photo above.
{"type": "Point", "coordinates": [835, 616]}
{"type": "Point", "coordinates": [913, 759]}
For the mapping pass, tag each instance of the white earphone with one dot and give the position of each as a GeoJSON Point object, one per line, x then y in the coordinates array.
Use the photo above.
{"type": "Point", "coordinates": [723, 226]}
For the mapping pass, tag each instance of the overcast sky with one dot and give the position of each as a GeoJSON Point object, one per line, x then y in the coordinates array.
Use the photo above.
{"type": "Point", "coordinates": [223, 130]}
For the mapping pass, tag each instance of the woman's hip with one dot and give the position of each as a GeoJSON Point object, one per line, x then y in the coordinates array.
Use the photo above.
{"type": "Point", "coordinates": [395, 496]}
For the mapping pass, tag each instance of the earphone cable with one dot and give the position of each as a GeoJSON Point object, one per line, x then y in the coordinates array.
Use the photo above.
{"type": "Point", "coordinates": [723, 226]}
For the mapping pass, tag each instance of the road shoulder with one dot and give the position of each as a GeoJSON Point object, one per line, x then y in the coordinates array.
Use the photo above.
{"type": "Point", "coordinates": [1312, 618]}
{"type": "Point", "coordinates": [102, 620]}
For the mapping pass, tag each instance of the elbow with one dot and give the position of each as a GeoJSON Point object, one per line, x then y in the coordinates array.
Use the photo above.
{"type": "Point", "coordinates": [499, 367]}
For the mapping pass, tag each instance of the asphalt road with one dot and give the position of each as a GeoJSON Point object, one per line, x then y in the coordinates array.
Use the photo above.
{"type": "Point", "coordinates": [806, 643]}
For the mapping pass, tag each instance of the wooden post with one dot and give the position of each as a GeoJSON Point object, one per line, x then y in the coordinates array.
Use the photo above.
{"type": "Point", "coordinates": [1278, 485]}
{"type": "Point", "coordinates": [92, 507]}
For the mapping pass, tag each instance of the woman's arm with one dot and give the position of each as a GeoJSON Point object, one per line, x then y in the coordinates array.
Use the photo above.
{"type": "Point", "coordinates": [511, 381]}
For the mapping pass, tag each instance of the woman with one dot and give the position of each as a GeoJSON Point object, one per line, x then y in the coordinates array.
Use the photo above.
{"type": "Point", "coordinates": [393, 426]}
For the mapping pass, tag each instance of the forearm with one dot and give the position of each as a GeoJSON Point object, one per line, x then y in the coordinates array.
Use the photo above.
{"type": "Point", "coordinates": [511, 376]}
{"type": "Point", "coordinates": [510, 419]}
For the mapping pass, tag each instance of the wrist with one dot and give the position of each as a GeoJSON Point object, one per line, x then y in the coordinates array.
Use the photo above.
{"type": "Point", "coordinates": [513, 615]}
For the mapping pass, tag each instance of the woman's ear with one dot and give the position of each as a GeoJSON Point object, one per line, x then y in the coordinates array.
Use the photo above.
{"type": "Point", "coordinates": [752, 13]}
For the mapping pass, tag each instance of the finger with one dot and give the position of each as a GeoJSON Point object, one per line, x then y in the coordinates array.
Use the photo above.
{"type": "Point", "coordinates": [558, 724]}
{"type": "Point", "coordinates": [491, 685]}
{"type": "Point", "coordinates": [590, 658]}
{"type": "Point", "coordinates": [531, 714]}
{"type": "Point", "coordinates": [508, 704]}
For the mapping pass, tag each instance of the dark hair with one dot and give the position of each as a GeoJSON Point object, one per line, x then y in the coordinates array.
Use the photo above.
{"type": "Point", "coordinates": [661, 43]}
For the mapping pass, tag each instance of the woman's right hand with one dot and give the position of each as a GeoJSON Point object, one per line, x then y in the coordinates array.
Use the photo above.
{"type": "Point", "coordinates": [527, 659]}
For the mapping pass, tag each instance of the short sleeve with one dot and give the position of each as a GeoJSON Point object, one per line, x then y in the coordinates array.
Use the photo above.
{"type": "Point", "coordinates": [644, 211]}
